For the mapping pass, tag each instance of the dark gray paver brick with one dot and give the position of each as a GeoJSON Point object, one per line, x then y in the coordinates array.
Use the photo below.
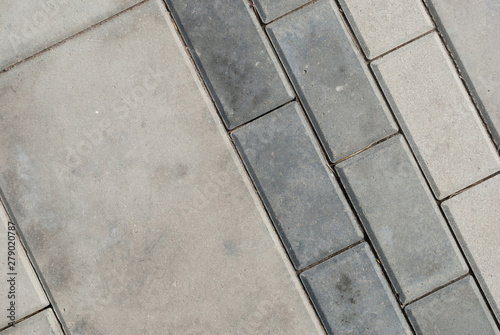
{"type": "Point", "coordinates": [234, 57]}
{"type": "Point", "coordinates": [299, 191]}
{"type": "Point", "coordinates": [457, 309]}
{"type": "Point", "coordinates": [272, 9]}
{"type": "Point", "coordinates": [334, 85]}
{"type": "Point", "coordinates": [352, 296]}
{"type": "Point", "coordinates": [402, 219]}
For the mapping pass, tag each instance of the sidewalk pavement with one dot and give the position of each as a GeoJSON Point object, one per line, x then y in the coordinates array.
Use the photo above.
{"type": "Point", "coordinates": [235, 167]}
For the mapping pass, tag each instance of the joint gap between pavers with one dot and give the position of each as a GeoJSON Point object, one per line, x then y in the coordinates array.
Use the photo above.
{"type": "Point", "coordinates": [468, 187]}
{"type": "Point", "coordinates": [282, 16]}
{"type": "Point", "coordinates": [368, 147]}
{"type": "Point", "coordinates": [27, 317]}
{"type": "Point", "coordinates": [33, 264]}
{"type": "Point", "coordinates": [9, 67]}
{"type": "Point", "coordinates": [476, 101]}
{"type": "Point", "coordinates": [437, 289]}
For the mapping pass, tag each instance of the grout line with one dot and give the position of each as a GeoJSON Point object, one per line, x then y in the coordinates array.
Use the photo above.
{"type": "Point", "coordinates": [468, 187]}
{"type": "Point", "coordinates": [36, 54]}
{"type": "Point", "coordinates": [366, 148]}
{"type": "Point", "coordinates": [282, 16]}
{"type": "Point", "coordinates": [437, 289]}
{"type": "Point", "coordinates": [27, 317]}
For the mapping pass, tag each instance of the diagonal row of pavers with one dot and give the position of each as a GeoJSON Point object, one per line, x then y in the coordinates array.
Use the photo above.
{"type": "Point", "coordinates": [394, 171]}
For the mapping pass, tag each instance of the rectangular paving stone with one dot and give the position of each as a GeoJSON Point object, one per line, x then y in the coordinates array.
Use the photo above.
{"type": "Point", "coordinates": [28, 27]}
{"type": "Point", "coordinates": [475, 218]}
{"type": "Point", "coordinates": [298, 189]}
{"type": "Point", "coordinates": [28, 295]}
{"type": "Point", "coordinates": [130, 195]}
{"type": "Point", "coordinates": [402, 219]}
{"type": "Point", "coordinates": [43, 323]}
{"type": "Point", "coordinates": [437, 116]}
{"type": "Point", "coordinates": [338, 93]}
{"type": "Point", "coordinates": [233, 56]}
{"type": "Point", "coordinates": [272, 9]}
{"type": "Point", "coordinates": [352, 296]}
{"type": "Point", "coordinates": [457, 309]}
{"type": "Point", "coordinates": [471, 29]}
{"type": "Point", "coordinates": [382, 25]}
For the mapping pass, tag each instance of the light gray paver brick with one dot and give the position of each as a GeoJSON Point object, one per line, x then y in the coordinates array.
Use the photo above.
{"type": "Point", "coordinates": [382, 25]}
{"type": "Point", "coordinates": [437, 116]}
{"type": "Point", "coordinates": [272, 9]}
{"type": "Point", "coordinates": [402, 219]}
{"type": "Point", "coordinates": [131, 196]}
{"type": "Point", "coordinates": [352, 296]}
{"type": "Point", "coordinates": [475, 217]}
{"type": "Point", "coordinates": [43, 323]}
{"type": "Point", "coordinates": [28, 27]}
{"type": "Point", "coordinates": [471, 29]}
{"type": "Point", "coordinates": [457, 309]}
{"type": "Point", "coordinates": [335, 87]}
{"type": "Point", "coordinates": [234, 57]}
{"type": "Point", "coordinates": [300, 192]}
{"type": "Point", "coordinates": [29, 296]}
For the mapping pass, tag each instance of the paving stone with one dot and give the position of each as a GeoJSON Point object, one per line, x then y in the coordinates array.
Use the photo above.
{"type": "Point", "coordinates": [471, 29]}
{"type": "Point", "coordinates": [402, 219]}
{"type": "Point", "coordinates": [130, 195]}
{"type": "Point", "coordinates": [437, 116]}
{"type": "Point", "coordinates": [43, 323]}
{"type": "Point", "coordinates": [233, 56]}
{"type": "Point", "coordinates": [299, 191]}
{"type": "Point", "coordinates": [457, 309]}
{"type": "Point", "coordinates": [28, 295]}
{"type": "Point", "coordinates": [382, 25]}
{"type": "Point", "coordinates": [31, 26]}
{"type": "Point", "coordinates": [272, 9]}
{"type": "Point", "coordinates": [352, 296]}
{"type": "Point", "coordinates": [337, 92]}
{"type": "Point", "coordinates": [474, 216]}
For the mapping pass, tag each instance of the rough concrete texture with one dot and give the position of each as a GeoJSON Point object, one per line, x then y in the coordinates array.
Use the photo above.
{"type": "Point", "coordinates": [437, 115]}
{"type": "Point", "coordinates": [299, 191]}
{"type": "Point", "coordinates": [382, 25]}
{"type": "Point", "coordinates": [272, 9]}
{"type": "Point", "coordinates": [471, 29]}
{"type": "Point", "coordinates": [130, 195]}
{"type": "Point", "coordinates": [28, 27]}
{"type": "Point", "coordinates": [43, 323]}
{"type": "Point", "coordinates": [402, 219]}
{"type": "Point", "coordinates": [332, 81]}
{"type": "Point", "coordinates": [475, 217]}
{"type": "Point", "coordinates": [457, 309]}
{"type": "Point", "coordinates": [234, 57]}
{"type": "Point", "coordinates": [352, 296]}
{"type": "Point", "coordinates": [25, 290]}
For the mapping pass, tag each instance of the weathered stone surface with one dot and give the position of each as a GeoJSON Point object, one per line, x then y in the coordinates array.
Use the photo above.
{"type": "Point", "coordinates": [332, 81]}
{"type": "Point", "coordinates": [457, 309]}
{"type": "Point", "coordinates": [28, 27]}
{"type": "Point", "coordinates": [352, 296]}
{"type": "Point", "coordinates": [475, 217]}
{"type": "Point", "coordinates": [25, 290]}
{"type": "Point", "coordinates": [43, 323]}
{"type": "Point", "coordinates": [272, 9]}
{"type": "Point", "coordinates": [471, 29]}
{"type": "Point", "coordinates": [300, 192]}
{"type": "Point", "coordinates": [130, 195]}
{"type": "Point", "coordinates": [233, 56]}
{"type": "Point", "coordinates": [382, 25]}
{"type": "Point", "coordinates": [402, 219]}
{"type": "Point", "coordinates": [437, 116]}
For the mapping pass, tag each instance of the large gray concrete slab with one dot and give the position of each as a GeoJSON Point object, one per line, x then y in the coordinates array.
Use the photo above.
{"type": "Point", "coordinates": [272, 9]}
{"type": "Point", "coordinates": [132, 200]}
{"type": "Point", "coordinates": [22, 294]}
{"type": "Point", "coordinates": [436, 114]}
{"type": "Point", "coordinates": [402, 219]}
{"type": "Point", "coordinates": [43, 323]}
{"type": "Point", "coordinates": [332, 81]}
{"type": "Point", "coordinates": [352, 296]}
{"type": "Point", "coordinates": [299, 191]}
{"type": "Point", "coordinates": [382, 25]}
{"type": "Point", "coordinates": [475, 217]}
{"type": "Point", "coordinates": [234, 57]}
{"type": "Point", "coordinates": [28, 26]}
{"type": "Point", "coordinates": [457, 309]}
{"type": "Point", "coordinates": [471, 29]}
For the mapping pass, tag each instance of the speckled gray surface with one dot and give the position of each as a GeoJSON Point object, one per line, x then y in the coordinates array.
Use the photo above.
{"type": "Point", "coordinates": [271, 9]}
